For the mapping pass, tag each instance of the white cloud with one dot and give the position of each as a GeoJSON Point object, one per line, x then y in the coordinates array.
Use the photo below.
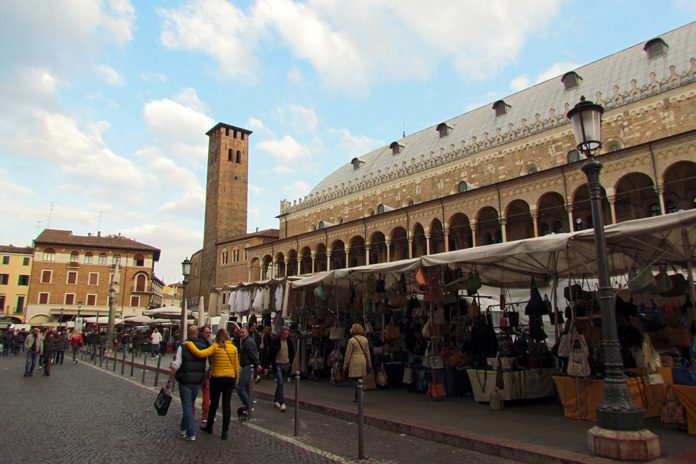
{"type": "Point", "coordinates": [109, 75]}
{"type": "Point", "coordinates": [286, 150]}
{"type": "Point", "coordinates": [9, 189]}
{"type": "Point", "coordinates": [170, 118]}
{"type": "Point", "coordinates": [296, 189]}
{"type": "Point", "coordinates": [154, 77]}
{"type": "Point", "coordinates": [299, 118]}
{"type": "Point", "coordinates": [519, 83]}
{"type": "Point", "coordinates": [556, 70]}
{"type": "Point", "coordinates": [120, 22]}
{"type": "Point", "coordinates": [256, 190]}
{"type": "Point", "coordinates": [355, 145]}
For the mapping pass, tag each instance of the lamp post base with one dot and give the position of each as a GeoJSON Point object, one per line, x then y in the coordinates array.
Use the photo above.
{"type": "Point", "coordinates": [636, 445]}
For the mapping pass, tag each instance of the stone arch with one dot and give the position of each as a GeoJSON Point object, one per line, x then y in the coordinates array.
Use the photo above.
{"type": "Point", "coordinates": [488, 229]}
{"type": "Point", "coordinates": [551, 214]}
{"type": "Point", "coordinates": [292, 263]}
{"type": "Point", "coordinates": [459, 232]}
{"type": "Point", "coordinates": [418, 245]}
{"type": "Point", "coordinates": [305, 260]}
{"type": "Point", "coordinates": [320, 259]}
{"type": "Point", "coordinates": [437, 237]}
{"type": "Point", "coordinates": [356, 256]}
{"type": "Point", "coordinates": [399, 243]}
{"type": "Point", "coordinates": [338, 255]}
{"type": "Point", "coordinates": [635, 193]}
{"type": "Point", "coordinates": [280, 264]}
{"type": "Point", "coordinates": [140, 281]}
{"type": "Point", "coordinates": [518, 221]}
{"type": "Point", "coordinates": [378, 248]}
{"type": "Point", "coordinates": [679, 183]}
{"type": "Point", "coordinates": [582, 210]}
{"type": "Point", "coordinates": [266, 267]}
{"type": "Point", "coordinates": [255, 266]}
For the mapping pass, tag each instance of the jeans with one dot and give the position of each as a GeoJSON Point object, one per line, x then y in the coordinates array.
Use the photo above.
{"type": "Point", "coordinates": [244, 387]}
{"type": "Point", "coordinates": [154, 349]}
{"type": "Point", "coordinates": [75, 353]}
{"type": "Point", "coordinates": [224, 386]}
{"type": "Point", "coordinates": [60, 355]}
{"type": "Point", "coordinates": [92, 352]}
{"type": "Point", "coordinates": [31, 362]}
{"type": "Point", "coordinates": [188, 393]}
{"type": "Point", "coordinates": [282, 373]}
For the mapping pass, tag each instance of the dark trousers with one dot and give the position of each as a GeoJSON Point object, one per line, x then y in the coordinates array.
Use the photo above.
{"type": "Point", "coordinates": [220, 386]}
{"type": "Point", "coordinates": [60, 355]}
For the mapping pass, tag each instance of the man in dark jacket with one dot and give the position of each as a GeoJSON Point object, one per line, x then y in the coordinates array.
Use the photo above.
{"type": "Point", "coordinates": [190, 373]}
{"type": "Point", "coordinates": [282, 354]}
{"type": "Point", "coordinates": [248, 358]}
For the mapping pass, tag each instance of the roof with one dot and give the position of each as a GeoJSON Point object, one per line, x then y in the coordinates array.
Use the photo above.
{"type": "Point", "coordinates": [612, 81]}
{"type": "Point", "coordinates": [228, 126]}
{"type": "Point", "coordinates": [270, 233]}
{"type": "Point", "coordinates": [119, 242]}
{"type": "Point", "coordinates": [17, 250]}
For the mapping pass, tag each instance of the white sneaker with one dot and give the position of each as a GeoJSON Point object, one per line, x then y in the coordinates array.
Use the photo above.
{"type": "Point", "coordinates": [276, 405]}
{"type": "Point", "coordinates": [282, 407]}
{"type": "Point", "coordinates": [182, 433]}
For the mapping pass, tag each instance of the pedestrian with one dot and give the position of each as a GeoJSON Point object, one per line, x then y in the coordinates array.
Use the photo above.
{"type": "Point", "coordinates": [125, 341]}
{"type": "Point", "coordinates": [248, 359]}
{"type": "Point", "coordinates": [357, 361]}
{"type": "Point", "coordinates": [33, 345]}
{"type": "Point", "coordinates": [282, 354]}
{"type": "Point", "coordinates": [265, 350]}
{"type": "Point", "coordinates": [234, 332]}
{"type": "Point", "coordinates": [102, 343]}
{"type": "Point", "coordinates": [93, 341]}
{"type": "Point", "coordinates": [223, 377]}
{"type": "Point", "coordinates": [61, 346]}
{"type": "Point", "coordinates": [5, 342]}
{"type": "Point", "coordinates": [165, 341]}
{"type": "Point", "coordinates": [49, 351]}
{"type": "Point", "coordinates": [155, 340]}
{"type": "Point", "coordinates": [189, 371]}
{"type": "Point", "coordinates": [205, 336]}
{"type": "Point", "coordinates": [76, 342]}
{"type": "Point", "coordinates": [138, 341]}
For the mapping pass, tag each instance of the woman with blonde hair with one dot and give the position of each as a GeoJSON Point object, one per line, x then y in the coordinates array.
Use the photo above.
{"type": "Point", "coordinates": [357, 360]}
{"type": "Point", "coordinates": [223, 377]}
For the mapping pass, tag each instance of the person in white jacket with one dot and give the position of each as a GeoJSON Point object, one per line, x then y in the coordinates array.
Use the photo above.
{"type": "Point", "coordinates": [155, 340]}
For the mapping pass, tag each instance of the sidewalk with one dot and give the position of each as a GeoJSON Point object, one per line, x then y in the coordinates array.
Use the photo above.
{"type": "Point", "coordinates": [532, 431]}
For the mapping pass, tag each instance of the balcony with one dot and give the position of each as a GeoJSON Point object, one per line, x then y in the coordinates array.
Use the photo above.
{"type": "Point", "coordinates": [73, 265]}
{"type": "Point", "coordinates": [145, 291]}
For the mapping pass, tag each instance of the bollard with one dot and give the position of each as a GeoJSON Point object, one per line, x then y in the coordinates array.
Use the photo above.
{"type": "Point", "coordinates": [106, 360]}
{"type": "Point", "coordinates": [361, 440]}
{"type": "Point", "coordinates": [101, 358]}
{"type": "Point", "coordinates": [297, 402]}
{"type": "Point", "coordinates": [144, 368]}
{"type": "Point", "coordinates": [123, 362]}
{"type": "Point", "coordinates": [132, 362]}
{"type": "Point", "coordinates": [159, 361]}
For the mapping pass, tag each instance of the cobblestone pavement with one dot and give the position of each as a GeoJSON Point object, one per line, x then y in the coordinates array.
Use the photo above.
{"type": "Point", "coordinates": [85, 414]}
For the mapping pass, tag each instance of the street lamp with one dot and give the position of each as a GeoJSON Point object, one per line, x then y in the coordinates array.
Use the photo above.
{"type": "Point", "coordinates": [186, 271]}
{"type": "Point", "coordinates": [619, 420]}
{"type": "Point", "coordinates": [78, 319]}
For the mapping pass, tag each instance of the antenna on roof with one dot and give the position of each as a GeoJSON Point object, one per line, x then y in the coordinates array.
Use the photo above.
{"type": "Point", "coordinates": [403, 134]}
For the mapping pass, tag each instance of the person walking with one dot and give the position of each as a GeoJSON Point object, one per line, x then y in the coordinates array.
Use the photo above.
{"type": "Point", "coordinates": [93, 341]}
{"type": "Point", "coordinates": [49, 351]}
{"type": "Point", "coordinates": [205, 336]}
{"type": "Point", "coordinates": [76, 342]}
{"type": "Point", "coordinates": [282, 354]}
{"type": "Point", "coordinates": [357, 361]}
{"type": "Point", "coordinates": [223, 378]}
{"type": "Point", "coordinates": [138, 341]}
{"type": "Point", "coordinates": [61, 346]}
{"type": "Point", "coordinates": [155, 340]}
{"type": "Point", "coordinates": [33, 345]}
{"type": "Point", "coordinates": [189, 371]}
{"type": "Point", "coordinates": [165, 341]}
{"type": "Point", "coordinates": [248, 359]}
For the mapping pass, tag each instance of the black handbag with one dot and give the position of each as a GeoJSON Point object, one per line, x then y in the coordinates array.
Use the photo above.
{"type": "Point", "coordinates": [164, 398]}
{"type": "Point", "coordinates": [654, 320]}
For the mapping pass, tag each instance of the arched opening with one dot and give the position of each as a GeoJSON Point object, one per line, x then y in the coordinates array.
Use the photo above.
{"type": "Point", "coordinates": [267, 267]}
{"type": "Point", "coordinates": [280, 262]}
{"type": "Point", "coordinates": [399, 244]}
{"type": "Point", "coordinates": [488, 227]}
{"type": "Point", "coordinates": [378, 248]}
{"type": "Point", "coordinates": [518, 221]}
{"type": "Point", "coordinates": [139, 260]}
{"type": "Point", "coordinates": [635, 193]}
{"type": "Point", "coordinates": [459, 232]}
{"type": "Point", "coordinates": [419, 245]}
{"type": "Point", "coordinates": [437, 237]}
{"type": "Point", "coordinates": [74, 257]}
{"type": "Point", "coordinates": [255, 270]}
{"type": "Point", "coordinates": [320, 259]}
{"type": "Point", "coordinates": [292, 263]}
{"type": "Point", "coordinates": [338, 255]}
{"type": "Point", "coordinates": [140, 284]}
{"type": "Point", "coordinates": [306, 261]}
{"type": "Point", "coordinates": [356, 256]}
{"type": "Point", "coordinates": [582, 211]}
{"type": "Point", "coordinates": [679, 182]}
{"type": "Point", "coordinates": [551, 214]}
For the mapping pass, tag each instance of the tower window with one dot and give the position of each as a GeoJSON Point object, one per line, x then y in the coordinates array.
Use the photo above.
{"type": "Point", "coordinates": [227, 131]}
{"type": "Point", "coordinates": [239, 157]}
{"type": "Point", "coordinates": [242, 136]}
{"type": "Point", "coordinates": [229, 154]}
{"type": "Point", "coordinates": [234, 134]}
{"type": "Point", "coordinates": [655, 47]}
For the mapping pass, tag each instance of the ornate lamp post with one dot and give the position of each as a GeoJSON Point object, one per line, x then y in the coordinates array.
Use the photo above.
{"type": "Point", "coordinates": [78, 319]}
{"type": "Point", "coordinates": [186, 271]}
{"type": "Point", "coordinates": [619, 421]}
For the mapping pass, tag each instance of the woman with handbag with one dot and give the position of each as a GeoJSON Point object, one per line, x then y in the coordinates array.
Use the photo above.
{"type": "Point", "coordinates": [223, 377]}
{"type": "Point", "coordinates": [357, 361]}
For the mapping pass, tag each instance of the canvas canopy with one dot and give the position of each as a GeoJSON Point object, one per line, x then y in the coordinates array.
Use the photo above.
{"type": "Point", "coordinates": [164, 311]}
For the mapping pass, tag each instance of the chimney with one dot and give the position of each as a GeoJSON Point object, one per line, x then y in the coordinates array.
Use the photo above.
{"type": "Point", "coordinates": [99, 233]}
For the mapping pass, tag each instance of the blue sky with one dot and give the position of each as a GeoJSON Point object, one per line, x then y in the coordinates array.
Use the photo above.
{"type": "Point", "coordinates": [104, 105]}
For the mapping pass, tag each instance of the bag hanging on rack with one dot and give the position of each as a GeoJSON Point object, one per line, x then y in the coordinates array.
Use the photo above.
{"type": "Point", "coordinates": [654, 320]}
{"type": "Point", "coordinates": [421, 279]}
{"type": "Point", "coordinates": [436, 391]}
{"type": "Point", "coordinates": [381, 378]}
{"type": "Point", "coordinates": [642, 281]}
{"type": "Point", "coordinates": [578, 363]}
{"type": "Point", "coordinates": [337, 332]}
{"type": "Point", "coordinates": [408, 376]}
{"type": "Point", "coordinates": [379, 285]}
{"type": "Point", "coordinates": [473, 282]}
{"type": "Point", "coordinates": [535, 306]}
{"type": "Point", "coordinates": [433, 360]}
{"type": "Point", "coordinates": [512, 316]}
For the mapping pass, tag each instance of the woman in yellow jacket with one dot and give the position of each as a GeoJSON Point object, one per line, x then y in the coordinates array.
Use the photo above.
{"type": "Point", "coordinates": [223, 377]}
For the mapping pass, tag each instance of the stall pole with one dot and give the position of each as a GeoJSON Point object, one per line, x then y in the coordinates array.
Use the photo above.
{"type": "Point", "coordinates": [297, 403]}
{"type": "Point", "coordinates": [132, 362]}
{"type": "Point", "coordinates": [144, 368]}
{"type": "Point", "coordinates": [556, 314]}
{"type": "Point", "coordinates": [157, 371]}
{"type": "Point", "coordinates": [361, 421]}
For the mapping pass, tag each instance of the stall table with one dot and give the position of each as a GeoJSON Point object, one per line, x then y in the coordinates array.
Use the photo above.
{"type": "Point", "coordinates": [519, 385]}
{"type": "Point", "coordinates": [583, 406]}
{"type": "Point", "coordinates": [687, 397]}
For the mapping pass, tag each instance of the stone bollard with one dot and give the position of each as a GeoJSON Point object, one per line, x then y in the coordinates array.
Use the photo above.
{"type": "Point", "coordinates": [144, 368]}
{"type": "Point", "coordinates": [361, 422]}
{"type": "Point", "coordinates": [297, 403]}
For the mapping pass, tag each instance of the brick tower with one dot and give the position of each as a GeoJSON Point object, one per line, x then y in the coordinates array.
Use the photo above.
{"type": "Point", "coordinates": [226, 196]}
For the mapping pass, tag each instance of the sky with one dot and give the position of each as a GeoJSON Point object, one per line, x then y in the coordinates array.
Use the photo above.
{"type": "Point", "coordinates": [104, 105]}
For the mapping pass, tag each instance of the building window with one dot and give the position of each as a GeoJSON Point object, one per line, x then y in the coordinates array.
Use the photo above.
{"type": "Point", "coordinates": [246, 253]}
{"type": "Point", "coordinates": [91, 300]}
{"type": "Point", "coordinates": [411, 202]}
{"type": "Point", "coordinates": [88, 257]}
{"type": "Point", "coordinates": [223, 257]}
{"type": "Point", "coordinates": [462, 187]}
{"type": "Point", "coordinates": [69, 299]}
{"type": "Point", "coordinates": [135, 301]}
{"type": "Point", "coordinates": [140, 283]}
{"type": "Point", "coordinates": [72, 278]}
{"type": "Point", "coordinates": [500, 108]}
{"type": "Point", "coordinates": [23, 280]}
{"type": "Point", "coordinates": [93, 278]}
{"type": "Point", "coordinates": [545, 229]}
{"type": "Point", "coordinates": [46, 276]}
{"type": "Point", "coordinates": [239, 157]}
{"type": "Point", "coordinates": [43, 298]}
{"type": "Point", "coordinates": [573, 156]}
{"type": "Point", "coordinates": [49, 254]}
{"type": "Point", "coordinates": [557, 227]}
{"type": "Point", "coordinates": [116, 259]}
{"type": "Point", "coordinates": [570, 80]}
{"type": "Point", "coordinates": [614, 145]}
{"type": "Point", "coordinates": [25, 262]}
{"type": "Point", "coordinates": [655, 48]}
{"type": "Point", "coordinates": [532, 169]}
{"type": "Point", "coordinates": [242, 135]}
{"type": "Point", "coordinates": [5, 260]}
{"type": "Point", "coordinates": [102, 258]}
{"type": "Point", "coordinates": [4, 279]}
{"type": "Point", "coordinates": [235, 255]}
{"type": "Point", "coordinates": [74, 257]}
{"type": "Point", "coordinates": [20, 304]}
{"type": "Point", "coordinates": [139, 260]}
{"type": "Point", "coordinates": [229, 154]}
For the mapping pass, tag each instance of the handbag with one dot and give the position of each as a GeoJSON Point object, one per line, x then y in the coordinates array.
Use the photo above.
{"type": "Point", "coordinates": [336, 332]}
{"type": "Point", "coordinates": [381, 378]}
{"type": "Point", "coordinates": [369, 382]}
{"type": "Point", "coordinates": [436, 391]}
{"type": "Point", "coordinates": [162, 402]}
{"type": "Point", "coordinates": [578, 364]}
{"type": "Point", "coordinates": [473, 282]}
{"type": "Point", "coordinates": [421, 279]}
{"type": "Point", "coordinates": [408, 376]}
{"type": "Point", "coordinates": [433, 360]}
{"type": "Point", "coordinates": [654, 320]}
